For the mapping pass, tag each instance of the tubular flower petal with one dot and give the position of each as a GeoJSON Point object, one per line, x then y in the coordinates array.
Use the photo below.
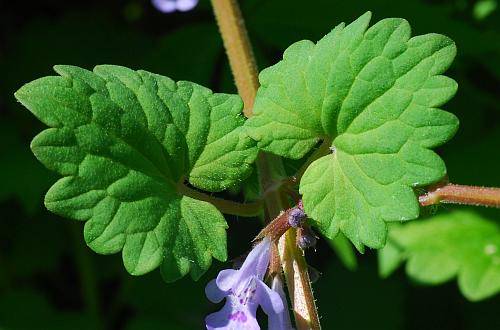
{"type": "Point", "coordinates": [244, 291]}
{"type": "Point", "coordinates": [280, 321]}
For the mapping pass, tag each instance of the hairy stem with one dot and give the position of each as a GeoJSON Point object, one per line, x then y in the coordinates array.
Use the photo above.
{"type": "Point", "coordinates": [244, 70]}
{"type": "Point", "coordinates": [458, 194]}
{"type": "Point", "coordinates": [239, 50]}
{"type": "Point", "coordinates": [299, 288]}
{"type": "Point", "coordinates": [275, 228]}
{"type": "Point", "coordinates": [294, 264]}
{"type": "Point", "coordinates": [223, 205]}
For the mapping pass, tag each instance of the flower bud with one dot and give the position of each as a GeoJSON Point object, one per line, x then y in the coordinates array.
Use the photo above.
{"type": "Point", "coordinates": [296, 216]}
{"type": "Point", "coordinates": [305, 238]}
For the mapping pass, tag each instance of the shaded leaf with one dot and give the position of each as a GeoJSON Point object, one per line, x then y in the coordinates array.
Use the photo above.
{"type": "Point", "coordinates": [459, 244]}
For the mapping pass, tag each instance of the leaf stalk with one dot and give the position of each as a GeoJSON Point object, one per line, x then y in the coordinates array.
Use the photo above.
{"type": "Point", "coordinates": [242, 62]}
{"type": "Point", "coordinates": [225, 206]}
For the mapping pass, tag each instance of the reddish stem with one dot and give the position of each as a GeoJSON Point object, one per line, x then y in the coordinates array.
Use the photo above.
{"type": "Point", "coordinates": [276, 228]}
{"type": "Point", "coordinates": [458, 194]}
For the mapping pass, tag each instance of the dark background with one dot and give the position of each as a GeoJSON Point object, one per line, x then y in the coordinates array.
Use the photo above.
{"type": "Point", "coordinates": [49, 279]}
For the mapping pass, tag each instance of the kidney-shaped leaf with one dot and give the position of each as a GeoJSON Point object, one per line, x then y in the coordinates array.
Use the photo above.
{"type": "Point", "coordinates": [126, 141]}
{"type": "Point", "coordinates": [372, 93]}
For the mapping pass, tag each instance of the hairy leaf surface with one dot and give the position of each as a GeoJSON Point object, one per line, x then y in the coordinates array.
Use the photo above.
{"type": "Point", "coordinates": [459, 244]}
{"type": "Point", "coordinates": [372, 93]}
{"type": "Point", "coordinates": [126, 141]}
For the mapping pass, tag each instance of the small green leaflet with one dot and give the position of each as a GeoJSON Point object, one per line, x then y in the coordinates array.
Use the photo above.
{"type": "Point", "coordinates": [459, 244]}
{"type": "Point", "coordinates": [126, 141]}
{"type": "Point", "coordinates": [373, 95]}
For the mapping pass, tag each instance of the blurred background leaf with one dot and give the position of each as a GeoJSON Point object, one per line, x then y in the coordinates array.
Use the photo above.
{"type": "Point", "coordinates": [459, 244]}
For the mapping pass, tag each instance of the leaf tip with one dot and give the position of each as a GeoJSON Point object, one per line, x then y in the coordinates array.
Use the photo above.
{"type": "Point", "coordinates": [365, 18]}
{"type": "Point", "coordinates": [21, 94]}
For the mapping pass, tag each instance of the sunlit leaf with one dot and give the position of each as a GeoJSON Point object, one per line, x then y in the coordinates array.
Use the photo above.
{"type": "Point", "coordinates": [126, 141]}
{"type": "Point", "coordinates": [373, 94]}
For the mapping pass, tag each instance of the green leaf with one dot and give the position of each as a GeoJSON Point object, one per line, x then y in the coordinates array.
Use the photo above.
{"type": "Point", "coordinates": [125, 142]}
{"type": "Point", "coordinates": [459, 244]}
{"type": "Point", "coordinates": [389, 258]}
{"type": "Point", "coordinates": [373, 94]}
{"type": "Point", "coordinates": [484, 8]}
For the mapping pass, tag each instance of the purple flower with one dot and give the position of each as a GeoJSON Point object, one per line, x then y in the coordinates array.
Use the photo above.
{"type": "Point", "coordinates": [280, 321]}
{"type": "Point", "coordinates": [244, 291]}
{"type": "Point", "coordinates": [169, 6]}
